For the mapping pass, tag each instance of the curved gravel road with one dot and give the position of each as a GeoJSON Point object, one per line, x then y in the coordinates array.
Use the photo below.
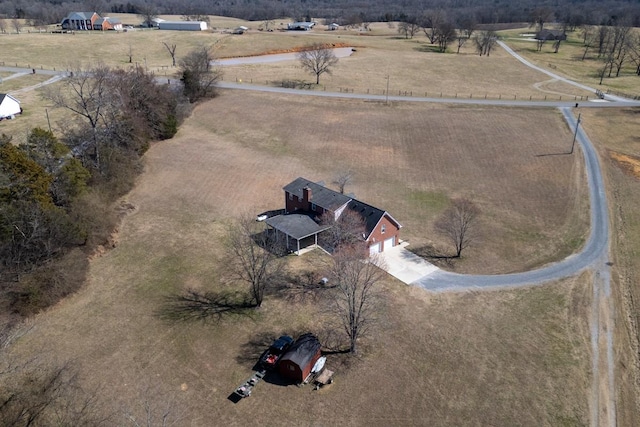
{"type": "Point", "coordinates": [596, 246]}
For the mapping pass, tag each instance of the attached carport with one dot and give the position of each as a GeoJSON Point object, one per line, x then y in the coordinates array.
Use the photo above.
{"type": "Point", "coordinates": [298, 227]}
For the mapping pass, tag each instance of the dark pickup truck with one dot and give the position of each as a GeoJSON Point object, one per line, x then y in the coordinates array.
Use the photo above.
{"type": "Point", "coordinates": [270, 357]}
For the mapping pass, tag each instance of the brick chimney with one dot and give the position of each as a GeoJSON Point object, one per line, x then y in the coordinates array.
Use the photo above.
{"type": "Point", "coordinates": [306, 194]}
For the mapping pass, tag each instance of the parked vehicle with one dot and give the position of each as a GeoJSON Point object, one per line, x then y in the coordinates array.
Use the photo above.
{"type": "Point", "coordinates": [280, 346]}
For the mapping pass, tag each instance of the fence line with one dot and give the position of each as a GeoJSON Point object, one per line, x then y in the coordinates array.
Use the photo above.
{"type": "Point", "coordinates": [297, 84]}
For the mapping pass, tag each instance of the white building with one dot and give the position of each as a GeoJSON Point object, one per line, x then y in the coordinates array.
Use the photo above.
{"type": "Point", "coordinates": [9, 106]}
{"type": "Point", "coordinates": [183, 25]}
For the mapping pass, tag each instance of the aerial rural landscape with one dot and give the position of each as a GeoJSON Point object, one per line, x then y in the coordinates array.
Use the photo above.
{"type": "Point", "coordinates": [416, 218]}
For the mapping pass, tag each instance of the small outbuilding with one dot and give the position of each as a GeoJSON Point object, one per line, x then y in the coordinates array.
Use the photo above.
{"type": "Point", "coordinates": [300, 26]}
{"type": "Point", "coordinates": [106, 23]}
{"type": "Point", "coordinates": [551, 35]}
{"type": "Point", "coordinates": [296, 364]}
{"type": "Point", "coordinates": [183, 25]}
{"type": "Point", "coordinates": [240, 30]}
{"type": "Point", "coordinates": [9, 106]}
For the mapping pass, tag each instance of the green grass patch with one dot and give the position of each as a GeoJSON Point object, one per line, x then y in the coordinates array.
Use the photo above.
{"type": "Point", "coordinates": [429, 201]}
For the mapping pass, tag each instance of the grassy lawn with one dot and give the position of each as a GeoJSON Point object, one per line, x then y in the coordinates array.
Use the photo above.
{"type": "Point", "coordinates": [497, 358]}
{"type": "Point", "coordinates": [568, 61]}
{"type": "Point", "coordinates": [478, 358]}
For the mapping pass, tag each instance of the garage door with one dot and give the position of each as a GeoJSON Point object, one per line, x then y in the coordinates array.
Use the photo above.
{"type": "Point", "coordinates": [374, 249]}
{"type": "Point", "coordinates": [389, 243]}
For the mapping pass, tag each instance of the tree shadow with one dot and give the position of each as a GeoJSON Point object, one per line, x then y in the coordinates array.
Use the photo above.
{"type": "Point", "coordinates": [193, 305]}
{"type": "Point", "coordinates": [271, 242]}
{"type": "Point", "coordinates": [427, 48]}
{"type": "Point", "coordinates": [301, 286]}
{"type": "Point", "coordinates": [435, 256]}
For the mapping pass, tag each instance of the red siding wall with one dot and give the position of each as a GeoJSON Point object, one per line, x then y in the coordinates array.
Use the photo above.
{"type": "Point", "coordinates": [294, 204]}
{"type": "Point", "coordinates": [391, 230]}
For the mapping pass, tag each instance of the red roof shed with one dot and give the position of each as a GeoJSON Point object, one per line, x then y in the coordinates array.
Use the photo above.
{"type": "Point", "coordinates": [297, 362]}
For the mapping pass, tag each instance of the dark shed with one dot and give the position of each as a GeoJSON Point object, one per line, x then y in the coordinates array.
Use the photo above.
{"type": "Point", "coordinates": [297, 362]}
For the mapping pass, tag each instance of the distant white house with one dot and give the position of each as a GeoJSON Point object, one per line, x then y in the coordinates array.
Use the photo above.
{"type": "Point", "coordinates": [300, 26]}
{"type": "Point", "coordinates": [333, 26]}
{"type": "Point", "coordinates": [9, 106]}
{"type": "Point", "coordinates": [183, 25]}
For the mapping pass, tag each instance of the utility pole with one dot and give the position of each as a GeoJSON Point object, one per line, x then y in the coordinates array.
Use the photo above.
{"type": "Point", "coordinates": [575, 134]}
{"type": "Point", "coordinates": [387, 92]}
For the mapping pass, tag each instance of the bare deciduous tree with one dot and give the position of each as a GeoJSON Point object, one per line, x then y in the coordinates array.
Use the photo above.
{"type": "Point", "coordinates": [467, 26]}
{"type": "Point", "coordinates": [17, 25]}
{"type": "Point", "coordinates": [431, 20]}
{"type": "Point", "coordinates": [172, 52]}
{"type": "Point", "coordinates": [3, 25]}
{"type": "Point", "coordinates": [154, 409]}
{"type": "Point", "coordinates": [86, 94]}
{"type": "Point", "coordinates": [408, 28]}
{"type": "Point", "coordinates": [346, 231]}
{"type": "Point", "coordinates": [148, 12]}
{"type": "Point", "coordinates": [539, 17]}
{"type": "Point", "coordinates": [255, 257]}
{"type": "Point", "coordinates": [199, 74]}
{"type": "Point", "coordinates": [267, 25]}
{"type": "Point", "coordinates": [356, 301]}
{"type": "Point", "coordinates": [317, 59]}
{"type": "Point", "coordinates": [445, 33]}
{"type": "Point", "coordinates": [46, 395]}
{"type": "Point", "coordinates": [485, 41]}
{"type": "Point", "coordinates": [457, 223]}
{"type": "Point", "coordinates": [343, 179]}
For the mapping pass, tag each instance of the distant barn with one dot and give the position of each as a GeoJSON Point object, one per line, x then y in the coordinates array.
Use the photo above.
{"type": "Point", "coordinates": [297, 362]}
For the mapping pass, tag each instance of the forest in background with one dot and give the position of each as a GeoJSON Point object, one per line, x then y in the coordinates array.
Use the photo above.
{"type": "Point", "coordinates": [344, 12]}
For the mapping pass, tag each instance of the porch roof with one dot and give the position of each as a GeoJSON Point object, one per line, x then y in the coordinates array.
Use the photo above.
{"type": "Point", "coordinates": [297, 226]}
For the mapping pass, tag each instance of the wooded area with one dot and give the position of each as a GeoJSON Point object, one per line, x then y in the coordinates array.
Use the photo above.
{"type": "Point", "coordinates": [56, 193]}
{"type": "Point", "coordinates": [340, 11]}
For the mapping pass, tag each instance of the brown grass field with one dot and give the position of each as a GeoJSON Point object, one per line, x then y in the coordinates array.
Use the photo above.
{"type": "Point", "coordinates": [615, 133]}
{"type": "Point", "coordinates": [476, 354]}
{"type": "Point", "coordinates": [513, 357]}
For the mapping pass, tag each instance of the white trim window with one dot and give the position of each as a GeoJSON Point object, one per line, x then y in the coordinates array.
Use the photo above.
{"type": "Point", "coordinates": [383, 228]}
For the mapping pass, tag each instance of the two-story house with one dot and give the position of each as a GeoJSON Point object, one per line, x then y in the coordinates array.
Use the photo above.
{"type": "Point", "coordinates": [306, 201]}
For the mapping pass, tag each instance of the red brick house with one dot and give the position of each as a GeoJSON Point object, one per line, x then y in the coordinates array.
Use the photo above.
{"type": "Point", "coordinates": [306, 201]}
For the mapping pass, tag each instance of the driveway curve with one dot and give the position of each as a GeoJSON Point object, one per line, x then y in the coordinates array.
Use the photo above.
{"type": "Point", "coordinates": [596, 246]}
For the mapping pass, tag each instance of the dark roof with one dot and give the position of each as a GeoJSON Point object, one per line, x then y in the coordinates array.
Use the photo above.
{"type": "Point", "coordinates": [332, 200]}
{"type": "Point", "coordinates": [303, 350]}
{"type": "Point", "coordinates": [547, 34]}
{"type": "Point", "coordinates": [320, 195]}
{"type": "Point", "coordinates": [297, 226]}
{"type": "Point", "coordinates": [370, 214]}
{"type": "Point", "coordinates": [81, 15]}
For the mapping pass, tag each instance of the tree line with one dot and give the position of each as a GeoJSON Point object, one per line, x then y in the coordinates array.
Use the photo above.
{"type": "Point", "coordinates": [345, 12]}
{"type": "Point", "coordinates": [57, 191]}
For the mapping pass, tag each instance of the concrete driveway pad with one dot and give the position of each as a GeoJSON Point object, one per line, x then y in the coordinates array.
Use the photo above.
{"type": "Point", "coordinates": [405, 265]}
